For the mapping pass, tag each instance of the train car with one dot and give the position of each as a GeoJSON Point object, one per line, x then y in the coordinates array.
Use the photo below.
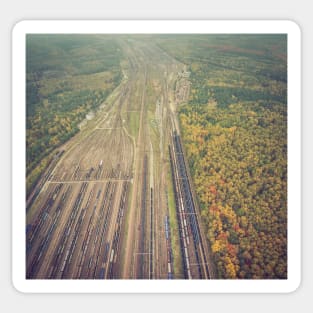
{"type": "Point", "coordinates": [112, 256]}
{"type": "Point", "coordinates": [169, 268]}
{"type": "Point", "coordinates": [106, 251]}
{"type": "Point", "coordinates": [29, 228]}
{"type": "Point", "coordinates": [166, 228]}
{"type": "Point", "coordinates": [101, 273]}
{"type": "Point", "coordinates": [170, 275]}
{"type": "Point", "coordinates": [90, 262]}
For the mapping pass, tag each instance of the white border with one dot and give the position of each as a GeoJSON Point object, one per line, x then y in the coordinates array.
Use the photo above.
{"type": "Point", "coordinates": [156, 286]}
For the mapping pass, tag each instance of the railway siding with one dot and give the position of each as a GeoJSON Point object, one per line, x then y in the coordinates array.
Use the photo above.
{"type": "Point", "coordinates": [76, 226]}
{"type": "Point", "coordinates": [195, 255]}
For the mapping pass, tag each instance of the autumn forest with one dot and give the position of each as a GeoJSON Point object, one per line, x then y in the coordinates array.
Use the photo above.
{"type": "Point", "coordinates": [235, 133]}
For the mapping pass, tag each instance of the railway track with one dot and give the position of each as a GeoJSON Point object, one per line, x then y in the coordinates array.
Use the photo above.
{"type": "Point", "coordinates": [151, 243]}
{"type": "Point", "coordinates": [117, 171]}
{"type": "Point", "coordinates": [142, 264]}
{"type": "Point", "coordinates": [195, 261]}
{"type": "Point", "coordinates": [34, 194]}
{"type": "Point", "coordinates": [114, 269]}
{"type": "Point", "coordinates": [81, 237]}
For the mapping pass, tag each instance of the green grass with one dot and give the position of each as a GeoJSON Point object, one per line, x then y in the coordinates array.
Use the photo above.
{"type": "Point", "coordinates": [177, 258]}
{"type": "Point", "coordinates": [134, 120]}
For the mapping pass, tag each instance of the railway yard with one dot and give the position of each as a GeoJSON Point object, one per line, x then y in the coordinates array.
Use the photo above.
{"type": "Point", "coordinates": [103, 209]}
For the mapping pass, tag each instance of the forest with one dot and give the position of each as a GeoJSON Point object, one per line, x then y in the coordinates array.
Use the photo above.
{"type": "Point", "coordinates": [67, 76]}
{"type": "Point", "coordinates": [234, 129]}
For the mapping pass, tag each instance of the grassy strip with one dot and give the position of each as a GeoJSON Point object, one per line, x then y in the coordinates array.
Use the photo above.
{"type": "Point", "coordinates": [134, 120]}
{"type": "Point", "coordinates": [177, 258]}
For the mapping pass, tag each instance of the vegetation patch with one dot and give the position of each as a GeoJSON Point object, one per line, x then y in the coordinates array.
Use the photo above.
{"type": "Point", "coordinates": [239, 167]}
{"type": "Point", "coordinates": [134, 120]}
{"type": "Point", "coordinates": [67, 76]}
{"type": "Point", "coordinates": [234, 129]}
{"type": "Point", "coordinates": [175, 241]}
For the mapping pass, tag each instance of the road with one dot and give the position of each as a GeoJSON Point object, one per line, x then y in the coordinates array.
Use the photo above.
{"type": "Point", "coordinates": [102, 209]}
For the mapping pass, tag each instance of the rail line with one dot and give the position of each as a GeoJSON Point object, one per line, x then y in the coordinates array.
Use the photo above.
{"type": "Point", "coordinates": [151, 255]}
{"type": "Point", "coordinates": [180, 219]}
{"type": "Point", "coordinates": [61, 255]}
{"type": "Point", "coordinates": [169, 248]}
{"type": "Point", "coordinates": [141, 266]}
{"type": "Point", "coordinates": [76, 215]}
{"type": "Point", "coordinates": [115, 251]}
{"type": "Point", "coordinates": [187, 215]}
{"type": "Point", "coordinates": [34, 194]}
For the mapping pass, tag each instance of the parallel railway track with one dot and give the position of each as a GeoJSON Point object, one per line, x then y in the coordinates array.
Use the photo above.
{"type": "Point", "coordinates": [113, 173]}
{"type": "Point", "coordinates": [187, 216]}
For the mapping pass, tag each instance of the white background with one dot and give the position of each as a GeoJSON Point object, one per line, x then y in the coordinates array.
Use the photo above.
{"type": "Point", "coordinates": [13, 11]}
